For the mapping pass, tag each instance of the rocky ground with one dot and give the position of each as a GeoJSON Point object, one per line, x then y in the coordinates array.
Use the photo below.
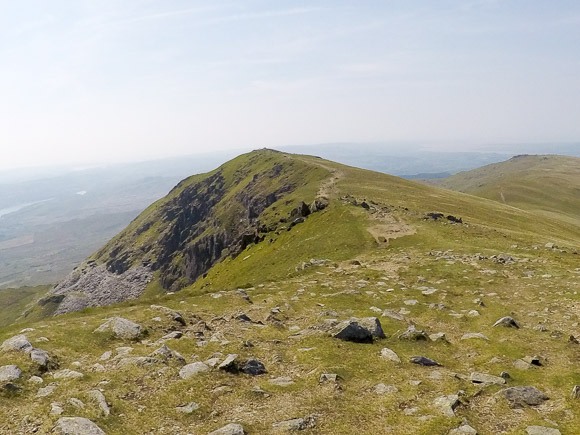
{"type": "Point", "coordinates": [398, 341]}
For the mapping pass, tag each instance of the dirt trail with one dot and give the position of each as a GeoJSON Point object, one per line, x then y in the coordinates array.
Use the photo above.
{"type": "Point", "coordinates": [389, 226]}
{"type": "Point", "coordinates": [383, 224]}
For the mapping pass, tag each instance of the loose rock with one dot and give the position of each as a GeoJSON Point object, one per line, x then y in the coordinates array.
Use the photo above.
{"type": "Point", "coordinates": [507, 322]}
{"type": "Point", "coordinates": [230, 429]}
{"type": "Point", "coordinates": [192, 369]}
{"type": "Point", "coordinates": [76, 426]}
{"type": "Point", "coordinates": [122, 328]}
{"type": "Point", "coordinates": [522, 396]}
{"type": "Point", "coordinates": [18, 343]}
{"type": "Point", "coordinates": [10, 373]}
{"type": "Point", "coordinates": [541, 430]}
{"type": "Point", "coordinates": [424, 361]}
{"type": "Point", "coordinates": [390, 355]}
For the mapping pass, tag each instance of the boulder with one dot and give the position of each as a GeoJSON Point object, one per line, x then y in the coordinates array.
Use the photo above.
{"type": "Point", "coordinates": [230, 429]}
{"type": "Point", "coordinates": [101, 402]}
{"type": "Point", "coordinates": [41, 358]}
{"type": "Point", "coordinates": [67, 374]}
{"type": "Point", "coordinates": [121, 328]}
{"type": "Point", "coordinates": [302, 210]}
{"type": "Point", "coordinates": [483, 378]}
{"type": "Point", "coordinates": [438, 336]}
{"type": "Point", "coordinates": [253, 367]}
{"type": "Point", "coordinates": [541, 430]}
{"type": "Point", "coordinates": [464, 429]}
{"type": "Point", "coordinates": [18, 343]}
{"type": "Point", "coordinates": [519, 397]}
{"type": "Point", "coordinates": [350, 330]}
{"type": "Point", "coordinates": [328, 377]}
{"type": "Point", "coordinates": [76, 426]}
{"type": "Point", "coordinates": [188, 408]}
{"type": "Point", "coordinates": [413, 334]}
{"type": "Point", "coordinates": [192, 369]}
{"type": "Point", "coordinates": [171, 314]}
{"type": "Point", "coordinates": [507, 322]}
{"type": "Point", "coordinates": [373, 325]}
{"type": "Point", "coordinates": [10, 373]}
{"type": "Point", "coordinates": [230, 364]}
{"type": "Point", "coordinates": [447, 404]}
{"type": "Point", "coordinates": [520, 364]}
{"type": "Point", "coordinates": [168, 354]}
{"type": "Point", "coordinates": [424, 361]}
{"type": "Point", "coordinates": [46, 391]}
{"type": "Point", "coordinates": [390, 355]}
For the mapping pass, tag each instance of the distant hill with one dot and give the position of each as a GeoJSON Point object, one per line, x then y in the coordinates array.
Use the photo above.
{"type": "Point", "coordinates": [548, 184]}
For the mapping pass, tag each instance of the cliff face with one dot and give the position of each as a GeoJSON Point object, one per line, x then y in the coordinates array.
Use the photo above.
{"type": "Point", "coordinates": [203, 220]}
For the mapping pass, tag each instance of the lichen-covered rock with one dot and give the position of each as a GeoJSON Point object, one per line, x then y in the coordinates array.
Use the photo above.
{"type": "Point", "coordinates": [541, 430]}
{"type": "Point", "coordinates": [122, 328]}
{"type": "Point", "coordinates": [67, 374]}
{"type": "Point", "coordinates": [101, 401]}
{"type": "Point", "coordinates": [230, 429]}
{"type": "Point", "coordinates": [390, 355]}
{"type": "Point", "coordinates": [519, 397]}
{"type": "Point", "coordinates": [10, 373]}
{"type": "Point", "coordinates": [484, 378]}
{"type": "Point", "coordinates": [76, 426]}
{"type": "Point", "coordinates": [18, 343]}
{"type": "Point", "coordinates": [192, 369]}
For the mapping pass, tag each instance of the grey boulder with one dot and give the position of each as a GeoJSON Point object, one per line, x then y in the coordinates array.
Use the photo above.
{"type": "Point", "coordinates": [519, 397]}
{"type": "Point", "coordinates": [18, 343]}
{"type": "Point", "coordinates": [10, 373]}
{"type": "Point", "coordinates": [76, 426]}
{"type": "Point", "coordinates": [192, 369]}
{"type": "Point", "coordinates": [507, 322]}
{"type": "Point", "coordinates": [230, 429]}
{"type": "Point", "coordinates": [121, 328]}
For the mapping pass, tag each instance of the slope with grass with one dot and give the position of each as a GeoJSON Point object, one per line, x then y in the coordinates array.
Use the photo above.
{"type": "Point", "coordinates": [544, 183]}
{"type": "Point", "coordinates": [370, 252]}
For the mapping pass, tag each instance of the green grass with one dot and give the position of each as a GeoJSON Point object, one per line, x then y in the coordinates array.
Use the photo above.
{"type": "Point", "coordinates": [144, 399]}
{"type": "Point", "coordinates": [546, 184]}
{"type": "Point", "coordinates": [13, 302]}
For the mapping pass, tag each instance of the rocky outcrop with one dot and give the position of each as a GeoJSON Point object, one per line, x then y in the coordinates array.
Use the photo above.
{"type": "Point", "coordinates": [96, 286]}
{"type": "Point", "coordinates": [201, 222]}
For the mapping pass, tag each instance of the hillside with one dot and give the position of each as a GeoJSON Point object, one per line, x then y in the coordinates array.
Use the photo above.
{"type": "Point", "coordinates": [258, 289]}
{"type": "Point", "coordinates": [543, 183]}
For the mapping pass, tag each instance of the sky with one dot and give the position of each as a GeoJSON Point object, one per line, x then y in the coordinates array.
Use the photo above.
{"type": "Point", "coordinates": [119, 80]}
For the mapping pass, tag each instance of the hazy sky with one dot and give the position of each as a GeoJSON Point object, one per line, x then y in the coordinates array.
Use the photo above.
{"type": "Point", "coordinates": [85, 80]}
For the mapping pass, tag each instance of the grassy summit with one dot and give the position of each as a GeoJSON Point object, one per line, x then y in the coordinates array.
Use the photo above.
{"type": "Point", "coordinates": [372, 251]}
